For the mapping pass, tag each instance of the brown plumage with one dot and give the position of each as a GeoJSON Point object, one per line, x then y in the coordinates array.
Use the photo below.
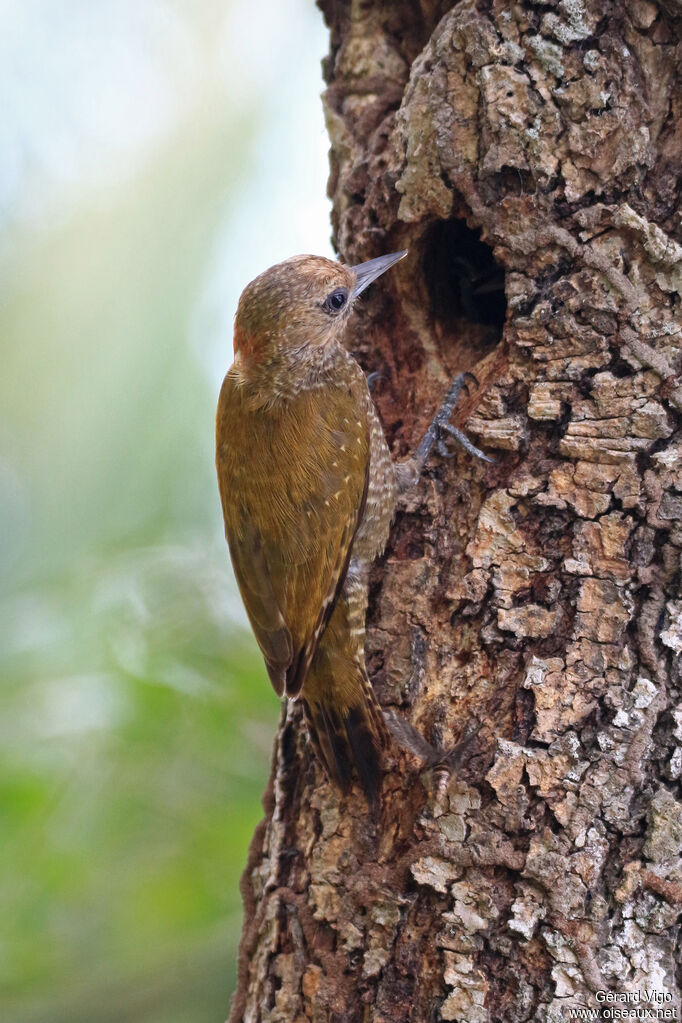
{"type": "Point", "coordinates": [308, 491]}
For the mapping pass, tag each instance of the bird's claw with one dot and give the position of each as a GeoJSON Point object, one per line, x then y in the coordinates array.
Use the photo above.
{"type": "Point", "coordinates": [372, 379]}
{"type": "Point", "coordinates": [461, 382]}
{"type": "Point", "coordinates": [444, 428]}
{"type": "Point", "coordinates": [461, 438]}
{"type": "Point", "coordinates": [441, 428]}
{"type": "Point", "coordinates": [465, 377]}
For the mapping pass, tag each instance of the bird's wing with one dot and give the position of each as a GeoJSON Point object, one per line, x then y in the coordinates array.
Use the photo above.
{"type": "Point", "coordinates": [293, 484]}
{"type": "Point", "coordinates": [255, 585]}
{"type": "Point", "coordinates": [343, 546]}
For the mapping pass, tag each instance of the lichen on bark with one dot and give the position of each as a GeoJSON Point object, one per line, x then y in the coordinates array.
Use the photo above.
{"type": "Point", "coordinates": [539, 597]}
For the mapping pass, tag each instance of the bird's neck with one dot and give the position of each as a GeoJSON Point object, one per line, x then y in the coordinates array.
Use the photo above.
{"type": "Point", "coordinates": [285, 374]}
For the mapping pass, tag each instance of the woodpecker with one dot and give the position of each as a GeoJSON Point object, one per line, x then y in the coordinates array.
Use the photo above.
{"type": "Point", "coordinates": [308, 490]}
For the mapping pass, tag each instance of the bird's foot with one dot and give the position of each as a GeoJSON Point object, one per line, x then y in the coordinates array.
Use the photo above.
{"type": "Point", "coordinates": [439, 432]}
{"type": "Point", "coordinates": [442, 430]}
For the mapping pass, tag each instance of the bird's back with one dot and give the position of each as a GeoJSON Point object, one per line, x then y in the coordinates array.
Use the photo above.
{"type": "Point", "coordinates": [292, 478]}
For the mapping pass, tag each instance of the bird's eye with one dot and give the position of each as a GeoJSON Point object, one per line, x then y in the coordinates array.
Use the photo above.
{"type": "Point", "coordinates": [335, 302]}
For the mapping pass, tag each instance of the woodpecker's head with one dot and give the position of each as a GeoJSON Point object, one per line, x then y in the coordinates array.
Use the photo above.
{"type": "Point", "coordinates": [298, 307]}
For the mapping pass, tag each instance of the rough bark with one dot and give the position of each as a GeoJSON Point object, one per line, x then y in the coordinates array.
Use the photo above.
{"type": "Point", "coordinates": [538, 597]}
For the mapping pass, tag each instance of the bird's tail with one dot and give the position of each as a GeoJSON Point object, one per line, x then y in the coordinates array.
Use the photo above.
{"type": "Point", "coordinates": [345, 722]}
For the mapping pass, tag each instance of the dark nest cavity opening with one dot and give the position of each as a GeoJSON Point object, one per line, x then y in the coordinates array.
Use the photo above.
{"type": "Point", "coordinates": [465, 286]}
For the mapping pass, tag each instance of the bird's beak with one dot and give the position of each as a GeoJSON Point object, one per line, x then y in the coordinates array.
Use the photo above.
{"type": "Point", "coordinates": [367, 272]}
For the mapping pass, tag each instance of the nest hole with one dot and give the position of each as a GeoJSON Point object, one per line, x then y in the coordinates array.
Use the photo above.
{"type": "Point", "coordinates": [465, 286]}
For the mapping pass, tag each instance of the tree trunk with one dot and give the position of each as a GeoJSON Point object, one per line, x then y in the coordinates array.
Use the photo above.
{"type": "Point", "coordinates": [534, 146]}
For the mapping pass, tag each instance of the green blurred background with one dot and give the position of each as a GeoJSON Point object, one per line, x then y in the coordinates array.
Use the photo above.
{"type": "Point", "coordinates": [155, 156]}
